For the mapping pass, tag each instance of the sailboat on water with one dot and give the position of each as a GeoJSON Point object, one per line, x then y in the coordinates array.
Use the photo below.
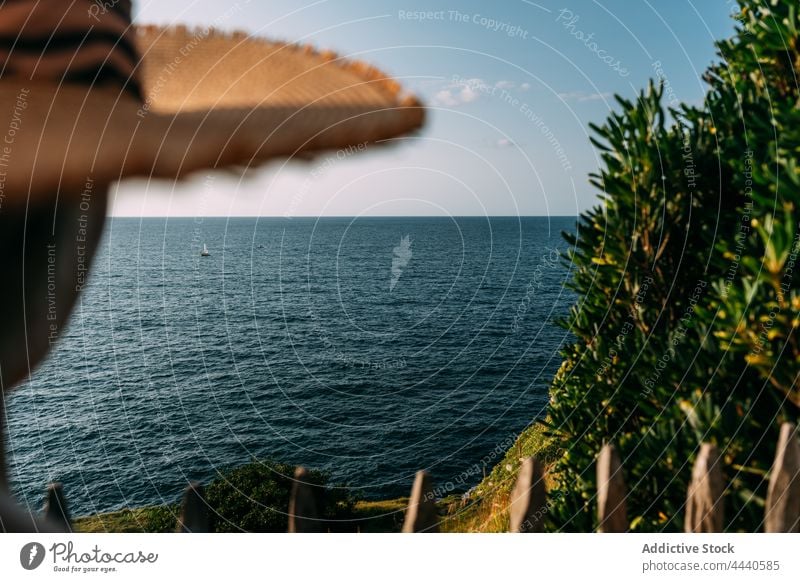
{"type": "Point", "coordinates": [204, 252]}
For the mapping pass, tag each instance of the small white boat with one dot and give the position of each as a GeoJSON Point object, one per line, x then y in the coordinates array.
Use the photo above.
{"type": "Point", "coordinates": [204, 252]}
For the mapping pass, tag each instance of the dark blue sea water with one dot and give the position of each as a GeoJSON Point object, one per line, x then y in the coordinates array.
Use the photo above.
{"type": "Point", "coordinates": [371, 347]}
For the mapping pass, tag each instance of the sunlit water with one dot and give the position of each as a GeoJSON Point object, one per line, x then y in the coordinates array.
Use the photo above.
{"type": "Point", "coordinates": [336, 343]}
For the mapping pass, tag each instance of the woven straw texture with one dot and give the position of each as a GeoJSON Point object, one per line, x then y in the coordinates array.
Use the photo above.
{"type": "Point", "coordinates": [211, 101]}
{"type": "Point", "coordinates": [186, 69]}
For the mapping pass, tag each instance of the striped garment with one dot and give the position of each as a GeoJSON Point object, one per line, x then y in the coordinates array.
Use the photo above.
{"type": "Point", "coordinates": [71, 41]}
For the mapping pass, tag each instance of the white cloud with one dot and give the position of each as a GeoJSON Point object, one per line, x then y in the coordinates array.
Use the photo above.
{"type": "Point", "coordinates": [582, 96]}
{"type": "Point", "coordinates": [502, 143]}
{"type": "Point", "coordinates": [460, 91]}
{"type": "Point", "coordinates": [469, 94]}
{"type": "Point", "coordinates": [445, 98]}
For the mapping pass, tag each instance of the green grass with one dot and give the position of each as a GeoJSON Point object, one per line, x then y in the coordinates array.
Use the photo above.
{"type": "Point", "coordinates": [381, 516]}
{"type": "Point", "coordinates": [368, 517]}
{"type": "Point", "coordinates": [486, 509]}
{"type": "Point", "coordinates": [153, 519]}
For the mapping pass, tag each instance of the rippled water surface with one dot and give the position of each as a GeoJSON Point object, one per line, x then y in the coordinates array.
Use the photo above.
{"type": "Point", "coordinates": [371, 347]}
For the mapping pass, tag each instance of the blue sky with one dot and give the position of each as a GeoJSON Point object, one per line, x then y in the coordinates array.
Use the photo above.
{"type": "Point", "coordinates": [512, 86]}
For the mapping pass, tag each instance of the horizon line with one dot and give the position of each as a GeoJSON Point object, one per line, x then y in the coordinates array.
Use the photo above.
{"type": "Point", "coordinates": [353, 216]}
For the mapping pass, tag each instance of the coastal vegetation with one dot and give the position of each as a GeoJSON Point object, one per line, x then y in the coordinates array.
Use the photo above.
{"type": "Point", "coordinates": [687, 286]}
{"type": "Point", "coordinates": [253, 498]}
{"type": "Point", "coordinates": [688, 297]}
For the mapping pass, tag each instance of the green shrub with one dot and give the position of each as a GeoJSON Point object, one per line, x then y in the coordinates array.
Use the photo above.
{"type": "Point", "coordinates": [688, 293]}
{"type": "Point", "coordinates": [255, 498]}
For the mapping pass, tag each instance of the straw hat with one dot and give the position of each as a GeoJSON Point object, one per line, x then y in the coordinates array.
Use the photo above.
{"type": "Point", "coordinates": [210, 100]}
{"type": "Point", "coordinates": [86, 99]}
{"type": "Point", "coordinates": [152, 102]}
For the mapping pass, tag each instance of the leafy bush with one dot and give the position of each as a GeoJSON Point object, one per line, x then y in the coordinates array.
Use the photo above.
{"type": "Point", "coordinates": [255, 498]}
{"type": "Point", "coordinates": [688, 287]}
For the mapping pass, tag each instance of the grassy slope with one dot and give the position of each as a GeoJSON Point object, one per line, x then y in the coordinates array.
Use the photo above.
{"type": "Point", "coordinates": [487, 508]}
{"type": "Point", "coordinates": [370, 516]}
{"type": "Point", "coordinates": [154, 519]}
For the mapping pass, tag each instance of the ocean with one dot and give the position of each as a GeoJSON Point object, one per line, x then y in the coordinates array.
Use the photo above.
{"type": "Point", "coordinates": [368, 347]}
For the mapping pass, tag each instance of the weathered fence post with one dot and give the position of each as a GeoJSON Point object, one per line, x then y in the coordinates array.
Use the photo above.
{"type": "Point", "coordinates": [303, 515]}
{"type": "Point", "coordinates": [705, 511]}
{"type": "Point", "coordinates": [55, 507]}
{"type": "Point", "coordinates": [612, 513]}
{"type": "Point", "coordinates": [194, 510]}
{"type": "Point", "coordinates": [421, 515]}
{"type": "Point", "coordinates": [529, 498]}
{"type": "Point", "coordinates": [782, 512]}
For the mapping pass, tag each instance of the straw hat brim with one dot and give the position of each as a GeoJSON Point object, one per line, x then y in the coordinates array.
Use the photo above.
{"type": "Point", "coordinates": [229, 101]}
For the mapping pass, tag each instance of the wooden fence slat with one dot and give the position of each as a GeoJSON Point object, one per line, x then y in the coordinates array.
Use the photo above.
{"type": "Point", "coordinates": [612, 512]}
{"type": "Point", "coordinates": [303, 515]}
{"type": "Point", "coordinates": [529, 498]}
{"type": "Point", "coordinates": [421, 515]}
{"type": "Point", "coordinates": [782, 513]}
{"type": "Point", "coordinates": [705, 510]}
{"type": "Point", "coordinates": [194, 510]}
{"type": "Point", "coordinates": [55, 507]}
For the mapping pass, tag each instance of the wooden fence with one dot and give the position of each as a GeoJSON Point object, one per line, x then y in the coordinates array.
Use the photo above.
{"type": "Point", "coordinates": [704, 512]}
